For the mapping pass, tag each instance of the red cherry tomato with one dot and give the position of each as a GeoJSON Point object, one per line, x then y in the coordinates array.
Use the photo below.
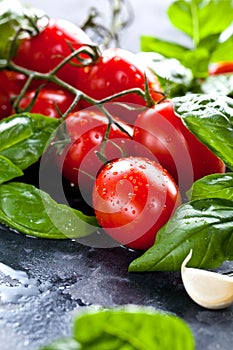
{"type": "Point", "coordinates": [133, 198]}
{"type": "Point", "coordinates": [116, 71]}
{"type": "Point", "coordinates": [174, 146]}
{"type": "Point", "coordinates": [48, 102]}
{"type": "Point", "coordinates": [47, 49]}
{"type": "Point", "coordinates": [221, 68]}
{"type": "Point", "coordinates": [79, 161]}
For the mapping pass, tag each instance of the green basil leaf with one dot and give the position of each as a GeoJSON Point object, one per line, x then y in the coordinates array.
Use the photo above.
{"type": "Point", "coordinates": [23, 137]}
{"type": "Point", "coordinates": [213, 186]}
{"type": "Point", "coordinates": [63, 344]}
{"type": "Point", "coordinates": [15, 19]}
{"type": "Point", "coordinates": [210, 118]}
{"type": "Point", "coordinates": [165, 48]}
{"type": "Point", "coordinates": [223, 51]}
{"type": "Point", "coordinates": [221, 84]}
{"type": "Point", "coordinates": [33, 212]}
{"type": "Point", "coordinates": [205, 225]}
{"type": "Point", "coordinates": [201, 18]}
{"type": "Point", "coordinates": [210, 43]}
{"type": "Point", "coordinates": [13, 130]}
{"type": "Point", "coordinates": [8, 170]}
{"type": "Point", "coordinates": [197, 60]}
{"type": "Point", "coordinates": [132, 327]}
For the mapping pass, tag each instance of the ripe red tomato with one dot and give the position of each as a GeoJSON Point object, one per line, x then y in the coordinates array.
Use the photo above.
{"type": "Point", "coordinates": [133, 198]}
{"type": "Point", "coordinates": [221, 68]}
{"type": "Point", "coordinates": [47, 100]}
{"type": "Point", "coordinates": [79, 162]}
{"type": "Point", "coordinates": [116, 71]}
{"type": "Point", "coordinates": [46, 50]}
{"type": "Point", "coordinates": [174, 146]}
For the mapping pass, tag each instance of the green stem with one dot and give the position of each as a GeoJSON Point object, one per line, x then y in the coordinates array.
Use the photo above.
{"type": "Point", "coordinates": [195, 22]}
{"type": "Point", "coordinates": [33, 75]}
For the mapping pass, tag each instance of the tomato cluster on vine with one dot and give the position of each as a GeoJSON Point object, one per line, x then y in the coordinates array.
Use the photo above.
{"type": "Point", "coordinates": [128, 150]}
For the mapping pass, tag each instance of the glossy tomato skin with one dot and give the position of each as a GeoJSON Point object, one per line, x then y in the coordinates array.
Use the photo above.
{"type": "Point", "coordinates": [221, 68]}
{"type": "Point", "coordinates": [47, 49]}
{"type": "Point", "coordinates": [174, 146]}
{"type": "Point", "coordinates": [86, 129]}
{"type": "Point", "coordinates": [117, 70]}
{"type": "Point", "coordinates": [47, 102]}
{"type": "Point", "coordinates": [133, 198]}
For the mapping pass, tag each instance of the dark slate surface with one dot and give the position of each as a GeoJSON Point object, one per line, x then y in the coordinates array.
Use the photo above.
{"type": "Point", "coordinates": [49, 280]}
{"type": "Point", "coordinates": [42, 283]}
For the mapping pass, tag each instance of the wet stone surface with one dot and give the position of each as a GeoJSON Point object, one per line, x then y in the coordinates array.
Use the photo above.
{"type": "Point", "coordinates": [43, 283]}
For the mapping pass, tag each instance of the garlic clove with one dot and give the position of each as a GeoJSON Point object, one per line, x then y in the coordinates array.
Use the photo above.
{"type": "Point", "coordinates": [208, 289]}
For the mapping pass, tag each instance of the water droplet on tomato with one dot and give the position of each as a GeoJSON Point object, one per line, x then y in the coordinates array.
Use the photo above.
{"type": "Point", "coordinates": [131, 195]}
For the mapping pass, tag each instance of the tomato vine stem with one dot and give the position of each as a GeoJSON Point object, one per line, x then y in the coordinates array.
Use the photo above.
{"type": "Point", "coordinates": [52, 77]}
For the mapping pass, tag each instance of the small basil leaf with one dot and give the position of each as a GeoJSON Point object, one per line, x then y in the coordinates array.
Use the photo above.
{"type": "Point", "coordinates": [33, 212]}
{"type": "Point", "coordinates": [205, 225]}
{"type": "Point", "coordinates": [210, 118]}
{"type": "Point", "coordinates": [213, 186]}
{"type": "Point", "coordinates": [8, 170]}
{"type": "Point", "coordinates": [25, 136]}
{"type": "Point", "coordinates": [132, 327]}
{"type": "Point", "coordinates": [63, 344]}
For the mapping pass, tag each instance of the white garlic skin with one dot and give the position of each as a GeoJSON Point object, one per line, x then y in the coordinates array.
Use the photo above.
{"type": "Point", "coordinates": [208, 289]}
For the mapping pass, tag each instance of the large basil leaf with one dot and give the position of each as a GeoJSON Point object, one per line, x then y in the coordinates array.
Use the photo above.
{"type": "Point", "coordinates": [132, 328]}
{"type": "Point", "coordinates": [29, 210]}
{"type": "Point", "coordinates": [205, 225]}
{"type": "Point", "coordinates": [23, 137]}
{"type": "Point", "coordinates": [201, 18]}
{"type": "Point", "coordinates": [210, 118]}
{"type": "Point", "coordinates": [213, 186]}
